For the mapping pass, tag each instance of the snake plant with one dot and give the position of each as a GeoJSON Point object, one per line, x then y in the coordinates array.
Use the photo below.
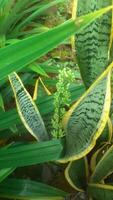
{"type": "Point", "coordinates": [83, 123]}
{"type": "Point", "coordinates": [93, 55]}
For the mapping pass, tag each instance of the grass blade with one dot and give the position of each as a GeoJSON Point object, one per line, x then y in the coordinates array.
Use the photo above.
{"type": "Point", "coordinates": [31, 154]}
{"type": "Point", "coordinates": [26, 189]}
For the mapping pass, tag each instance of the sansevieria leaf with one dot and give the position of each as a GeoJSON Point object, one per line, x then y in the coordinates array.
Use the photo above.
{"type": "Point", "coordinates": [76, 174]}
{"type": "Point", "coordinates": [86, 119]}
{"type": "Point", "coordinates": [16, 56]}
{"type": "Point", "coordinates": [92, 44]}
{"type": "Point", "coordinates": [27, 109]}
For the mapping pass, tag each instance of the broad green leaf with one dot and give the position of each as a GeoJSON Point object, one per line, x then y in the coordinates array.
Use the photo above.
{"type": "Point", "coordinates": [92, 57]}
{"type": "Point", "coordinates": [100, 191]}
{"type": "Point", "coordinates": [76, 174]}
{"type": "Point", "coordinates": [16, 56]}
{"type": "Point", "coordinates": [86, 119]}
{"type": "Point", "coordinates": [27, 109]}
{"type": "Point", "coordinates": [27, 189]}
{"type": "Point", "coordinates": [104, 166]}
{"type": "Point", "coordinates": [30, 154]}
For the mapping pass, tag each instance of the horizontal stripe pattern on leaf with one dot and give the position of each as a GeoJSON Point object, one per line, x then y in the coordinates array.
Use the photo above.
{"type": "Point", "coordinates": [27, 109]}
{"type": "Point", "coordinates": [92, 44]}
{"type": "Point", "coordinates": [86, 119]}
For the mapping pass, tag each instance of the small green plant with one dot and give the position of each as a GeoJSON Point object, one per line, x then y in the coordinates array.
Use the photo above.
{"type": "Point", "coordinates": [61, 100]}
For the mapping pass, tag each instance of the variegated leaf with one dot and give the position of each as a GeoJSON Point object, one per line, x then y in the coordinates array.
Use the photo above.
{"type": "Point", "coordinates": [27, 109]}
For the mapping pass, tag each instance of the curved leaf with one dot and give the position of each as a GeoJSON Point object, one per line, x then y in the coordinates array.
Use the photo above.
{"type": "Point", "coordinates": [27, 109]}
{"type": "Point", "coordinates": [76, 174]}
{"type": "Point", "coordinates": [104, 166]}
{"type": "Point", "coordinates": [86, 119]}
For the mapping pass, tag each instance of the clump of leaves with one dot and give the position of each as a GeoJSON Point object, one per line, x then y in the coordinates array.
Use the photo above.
{"type": "Point", "coordinates": [21, 54]}
{"type": "Point", "coordinates": [61, 100]}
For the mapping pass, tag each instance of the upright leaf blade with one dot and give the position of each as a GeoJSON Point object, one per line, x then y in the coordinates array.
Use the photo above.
{"type": "Point", "coordinates": [86, 119]}
{"type": "Point", "coordinates": [92, 57]}
{"type": "Point", "coordinates": [27, 109]}
{"type": "Point", "coordinates": [76, 174]}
